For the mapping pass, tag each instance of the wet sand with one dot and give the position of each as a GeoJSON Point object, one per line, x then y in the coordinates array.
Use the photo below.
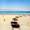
{"type": "Point", "coordinates": [23, 20]}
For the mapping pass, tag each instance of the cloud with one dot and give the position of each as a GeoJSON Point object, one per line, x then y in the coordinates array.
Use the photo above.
{"type": "Point", "coordinates": [14, 9]}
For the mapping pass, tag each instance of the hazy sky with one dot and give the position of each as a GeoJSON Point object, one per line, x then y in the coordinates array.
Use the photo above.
{"type": "Point", "coordinates": [22, 4]}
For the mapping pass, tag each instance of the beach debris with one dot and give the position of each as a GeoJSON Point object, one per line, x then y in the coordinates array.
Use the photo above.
{"type": "Point", "coordinates": [4, 18]}
{"type": "Point", "coordinates": [14, 19]}
{"type": "Point", "coordinates": [20, 16]}
{"type": "Point", "coordinates": [17, 16]}
{"type": "Point", "coordinates": [15, 25]}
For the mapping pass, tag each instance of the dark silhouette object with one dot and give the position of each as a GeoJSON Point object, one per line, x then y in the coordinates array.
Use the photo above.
{"type": "Point", "coordinates": [17, 17]}
{"type": "Point", "coordinates": [14, 19]}
{"type": "Point", "coordinates": [15, 25]}
{"type": "Point", "coordinates": [4, 18]}
{"type": "Point", "coordinates": [20, 16]}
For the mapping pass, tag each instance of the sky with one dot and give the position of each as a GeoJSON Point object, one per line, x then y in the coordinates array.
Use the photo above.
{"type": "Point", "coordinates": [15, 5]}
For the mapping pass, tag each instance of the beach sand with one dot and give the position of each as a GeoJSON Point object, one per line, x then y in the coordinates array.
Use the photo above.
{"type": "Point", "coordinates": [23, 20]}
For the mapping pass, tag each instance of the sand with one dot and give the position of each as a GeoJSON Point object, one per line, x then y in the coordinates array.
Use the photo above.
{"type": "Point", "coordinates": [23, 20]}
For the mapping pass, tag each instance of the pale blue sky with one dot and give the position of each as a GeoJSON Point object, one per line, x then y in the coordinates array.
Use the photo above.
{"type": "Point", "coordinates": [15, 4]}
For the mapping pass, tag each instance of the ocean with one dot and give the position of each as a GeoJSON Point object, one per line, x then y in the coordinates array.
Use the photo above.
{"type": "Point", "coordinates": [14, 12]}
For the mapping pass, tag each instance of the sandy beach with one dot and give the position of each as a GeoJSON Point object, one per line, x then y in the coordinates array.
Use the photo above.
{"type": "Point", "coordinates": [23, 20]}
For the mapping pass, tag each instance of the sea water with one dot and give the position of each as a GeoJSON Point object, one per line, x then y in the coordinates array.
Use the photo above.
{"type": "Point", "coordinates": [14, 12]}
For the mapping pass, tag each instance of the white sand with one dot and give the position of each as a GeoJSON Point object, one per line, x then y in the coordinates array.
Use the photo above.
{"type": "Point", "coordinates": [23, 21]}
